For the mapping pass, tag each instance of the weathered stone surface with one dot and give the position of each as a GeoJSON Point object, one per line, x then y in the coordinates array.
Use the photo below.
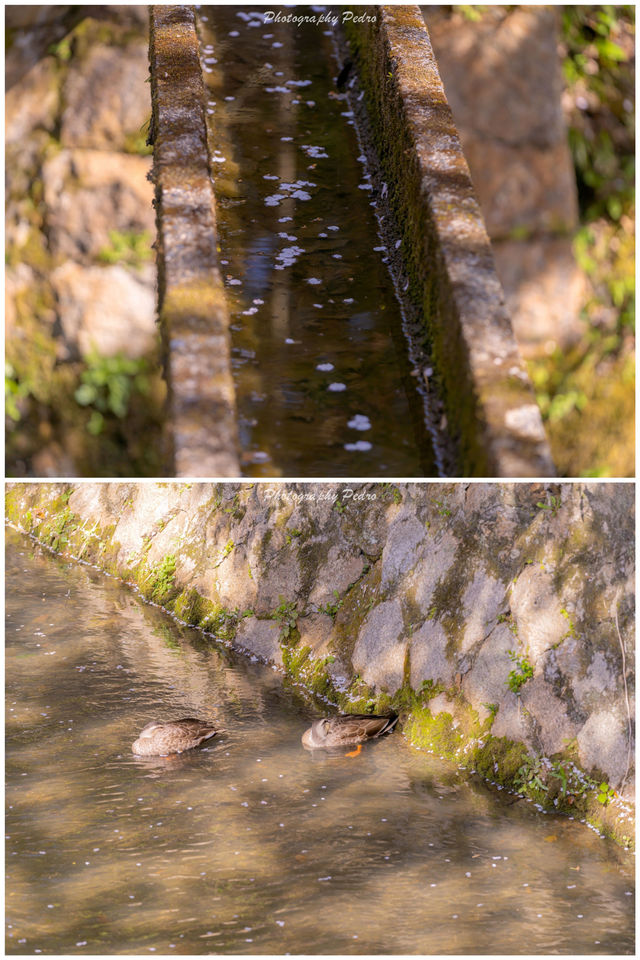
{"type": "Point", "coordinates": [537, 610]}
{"type": "Point", "coordinates": [553, 726]}
{"type": "Point", "coordinates": [75, 82]}
{"type": "Point", "coordinates": [401, 551]}
{"type": "Point", "coordinates": [429, 659]}
{"type": "Point", "coordinates": [92, 194]}
{"type": "Point", "coordinates": [108, 309]}
{"type": "Point", "coordinates": [599, 679]}
{"type": "Point", "coordinates": [482, 601]}
{"type": "Point", "coordinates": [544, 289]}
{"type": "Point", "coordinates": [486, 681]}
{"type": "Point", "coordinates": [502, 75]}
{"type": "Point", "coordinates": [603, 743]}
{"type": "Point", "coordinates": [315, 631]}
{"type": "Point", "coordinates": [32, 103]}
{"type": "Point", "coordinates": [439, 554]}
{"type": "Point", "coordinates": [341, 569]}
{"type": "Point", "coordinates": [202, 428]}
{"type": "Point", "coordinates": [260, 637]}
{"type": "Point", "coordinates": [379, 653]}
{"type": "Point", "coordinates": [510, 720]}
{"type": "Point", "coordinates": [102, 96]}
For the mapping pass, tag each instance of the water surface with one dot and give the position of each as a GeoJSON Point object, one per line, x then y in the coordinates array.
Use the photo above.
{"type": "Point", "coordinates": [319, 357]}
{"type": "Point", "coordinates": [252, 845]}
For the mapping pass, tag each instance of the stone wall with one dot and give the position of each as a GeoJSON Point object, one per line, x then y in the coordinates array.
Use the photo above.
{"type": "Point", "coordinates": [495, 617]}
{"type": "Point", "coordinates": [80, 278]}
{"type": "Point", "coordinates": [503, 77]}
{"type": "Point", "coordinates": [194, 319]}
{"type": "Point", "coordinates": [490, 407]}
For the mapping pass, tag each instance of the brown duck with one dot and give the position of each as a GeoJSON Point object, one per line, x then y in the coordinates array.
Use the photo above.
{"type": "Point", "coordinates": [347, 730]}
{"type": "Point", "coordinates": [160, 738]}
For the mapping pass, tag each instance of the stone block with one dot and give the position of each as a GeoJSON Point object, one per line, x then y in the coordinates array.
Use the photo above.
{"type": "Point", "coordinates": [90, 194]}
{"type": "Point", "coordinates": [401, 549]}
{"type": "Point", "coordinates": [536, 609]}
{"type": "Point", "coordinates": [315, 631]}
{"type": "Point", "coordinates": [544, 290]}
{"type": "Point", "coordinates": [379, 653]}
{"type": "Point", "coordinates": [603, 743]}
{"type": "Point", "coordinates": [435, 561]}
{"type": "Point", "coordinates": [553, 725]}
{"type": "Point", "coordinates": [429, 659]}
{"type": "Point", "coordinates": [486, 681]}
{"type": "Point", "coordinates": [106, 97]}
{"type": "Point", "coordinates": [107, 309]}
{"type": "Point", "coordinates": [482, 601]}
{"type": "Point", "coordinates": [342, 568]}
{"type": "Point", "coordinates": [260, 637]}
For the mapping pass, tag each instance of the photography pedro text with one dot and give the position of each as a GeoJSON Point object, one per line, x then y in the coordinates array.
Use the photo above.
{"type": "Point", "coordinates": [333, 19]}
{"type": "Point", "coordinates": [332, 496]}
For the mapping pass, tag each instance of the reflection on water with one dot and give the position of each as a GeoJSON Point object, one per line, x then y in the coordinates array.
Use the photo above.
{"type": "Point", "coordinates": [252, 845]}
{"type": "Point", "coordinates": [319, 357]}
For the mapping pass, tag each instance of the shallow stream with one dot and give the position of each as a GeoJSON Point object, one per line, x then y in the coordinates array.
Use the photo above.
{"type": "Point", "coordinates": [320, 360]}
{"type": "Point", "coordinates": [252, 845]}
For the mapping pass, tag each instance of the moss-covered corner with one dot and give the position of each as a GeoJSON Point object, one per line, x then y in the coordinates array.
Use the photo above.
{"type": "Point", "coordinates": [555, 784]}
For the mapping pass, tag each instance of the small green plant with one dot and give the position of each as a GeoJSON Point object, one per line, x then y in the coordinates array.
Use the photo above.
{"type": "Point", "coordinates": [390, 490]}
{"type": "Point", "coordinates": [339, 507]}
{"type": "Point", "coordinates": [553, 505]}
{"type": "Point", "coordinates": [127, 247]}
{"type": "Point", "coordinates": [530, 775]}
{"type": "Point", "coordinates": [523, 672]}
{"type": "Point", "coordinates": [293, 533]}
{"type": "Point", "coordinates": [61, 50]}
{"type": "Point", "coordinates": [331, 609]}
{"type": "Point", "coordinates": [471, 12]}
{"type": "Point", "coordinates": [605, 794]}
{"type": "Point", "coordinates": [162, 575]}
{"type": "Point", "coordinates": [560, 772]}
{"type": "Point", "coordinates": [571, 632]}
{"type": "Point", "coordinates": [491, 707]}
{"type": "Point", "coordinates": [442, 509]}
{"type": "Point", "coordinates": [225, 552]}
{"type": "Point", "coordinates": [107, 385]}
{"type": "Point", "coordinates": [286, 614]}
{"type": "Point", "coordinates": [15, 390]}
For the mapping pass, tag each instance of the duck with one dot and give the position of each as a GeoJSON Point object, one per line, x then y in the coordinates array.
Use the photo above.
{"type": "Point", "coordinates": [163, 737]}
{"type": "Point", "coordinates": [347, 730]}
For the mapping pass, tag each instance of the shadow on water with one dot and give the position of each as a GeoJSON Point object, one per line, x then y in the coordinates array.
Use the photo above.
{"type": "Point", "coordinates": [252, 844]}
{"type": "Point", "coordinates": [319, 356]}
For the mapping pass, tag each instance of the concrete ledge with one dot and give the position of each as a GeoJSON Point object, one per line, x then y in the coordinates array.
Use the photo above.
{"type": "Point", "coordinates": [489, 402]}
{"type": "Point", "coordinates": [202, 433]}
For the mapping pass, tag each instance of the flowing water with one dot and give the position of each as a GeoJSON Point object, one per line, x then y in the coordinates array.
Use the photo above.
{"type": "Point", "coordinates": [252, 845]}
{"type": "Point", "coordinates": [319, 355]}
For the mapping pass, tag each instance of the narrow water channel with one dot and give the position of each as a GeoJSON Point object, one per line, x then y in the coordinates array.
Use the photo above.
{"type": "Point", "coordinates": [252, 845]}
{"type": "Point", "coordinates": [319, 356]}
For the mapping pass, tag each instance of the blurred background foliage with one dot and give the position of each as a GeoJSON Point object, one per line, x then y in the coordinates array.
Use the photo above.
{"type": "Point", "coordinates": [587, 393]}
